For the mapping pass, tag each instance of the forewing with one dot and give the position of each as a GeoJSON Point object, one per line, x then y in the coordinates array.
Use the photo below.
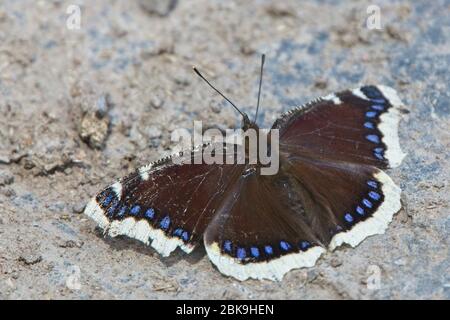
{"type": "Point", "coordinates": [358, 126]}
{"type": "Point", "coordinates": [167, 204]}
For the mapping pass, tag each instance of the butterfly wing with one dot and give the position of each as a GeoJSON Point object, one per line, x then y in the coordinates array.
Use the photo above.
{"type": "Point", "coordinates": [329, 190]}
{"type": "Point", "coordinates": [269, 225]}
{"type": "Point", "coordinates": [167, 204]}
{"type": "Point", "coordinates": [358, 126]}
{"type": "Point", "coordinates": [336, 146]}
{"type": "Point", "coordinates": [258, 231]}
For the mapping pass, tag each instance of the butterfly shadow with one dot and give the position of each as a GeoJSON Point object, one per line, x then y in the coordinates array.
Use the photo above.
{"type": "Point", "coordinates": [120, 243]}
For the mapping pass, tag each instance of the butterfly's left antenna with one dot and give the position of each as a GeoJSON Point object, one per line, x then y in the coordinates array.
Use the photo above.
{"type": "Point", "coordinates": [263, 58]}
{"type": "Point", "coordinates": [223, 96]}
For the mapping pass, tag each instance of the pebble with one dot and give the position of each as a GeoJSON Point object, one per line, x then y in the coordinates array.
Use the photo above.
{"type": "Point", "coordinates": [30, 259]}
{"type": "Point", "coordinates": [6, 178]}
{"type": "Point", "coordinates": [94, 130]}
{"type": "Point", "coordinates": [335, 262]}
{"type": "Point", "coordinates": [159, 7]}
{"type": "Point", "coordinates": [156, 101]}
{"type": "Point", "coordinates": [78, 207]}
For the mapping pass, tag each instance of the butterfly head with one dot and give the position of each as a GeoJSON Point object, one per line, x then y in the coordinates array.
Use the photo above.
{"type": "Point", "coordinates": [248, 124]}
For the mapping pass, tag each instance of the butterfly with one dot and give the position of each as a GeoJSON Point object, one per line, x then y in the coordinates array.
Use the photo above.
{"type": "Point", "coordinates": [330, 190]}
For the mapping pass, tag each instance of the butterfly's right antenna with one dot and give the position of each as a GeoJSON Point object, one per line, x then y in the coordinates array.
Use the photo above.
{"type": "Point", "coordinates": [263, 58]}
{"type": "Point", "coordinates": [223, 96]}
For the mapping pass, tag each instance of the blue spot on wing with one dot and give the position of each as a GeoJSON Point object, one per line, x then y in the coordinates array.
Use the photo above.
{"type": "Point", "coordinates": [241, 253]}
{"type": "Point", "coordinates": [268, 250]}
{"type": "Point", "coordinates": [135, 210]}
{"type": "Point", "coordinates": [113, 207]}
{"type": "Point", "coordinates": [369, 125]}
{"type": "Point", "coordinates": [367, 203]}
{"type": "Point", "coordinates": [374, 195]}
{"type": "Point", "coordinates": [178, 232]}
{"type": "Point", "coordinates": [107, 200]}
{"type": "Point", "coordinates": [185, 236]}
{"type": "Point", "coordinates": [378, 107]}
{"type": "Point", "coordinates": [348, 217]}
{"type": "Point", "coordinates": [373, 138]}
{"type": "Point", "coordinates": [304, 245]}
{"type": "Point", "coordinates": [227, 245]}
{"type": "Point", "coordinates": [165, 223]}
{"type": "Point", "coordinates": [122, 211]}
{"type": "Point", "coordinates": [149, 213]}
{"type": "Point", "coordinates": [372, 183]}
{"type": "Point", "coordinates": [360, 210]}
{"type": "Point", "coordinates": [371, 92]}
{"type": "Point", "coordinates": [371, 114]}
{"type": "Point", "coordinates": [254, 251]}
{"type": "Point", "coordinates": [285, 245]}
{"type": "Point", "coordinates": [378, 156]}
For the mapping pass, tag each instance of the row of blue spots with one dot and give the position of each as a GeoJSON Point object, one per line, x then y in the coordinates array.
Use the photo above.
{"type": "Point", "coordinates": [376, 97]}
{"type": "Point", "coordinates": [373, 195]}
{"type": "Point", "coordinates": [241, 253]}
{"type": "Point", "coordinates": [111, 201]}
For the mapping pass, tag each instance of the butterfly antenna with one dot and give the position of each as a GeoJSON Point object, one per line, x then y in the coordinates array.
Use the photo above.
{"type": "Point", "coordinates": [223, 96]}
{"type": "Point", "coordinates": [263, 58]}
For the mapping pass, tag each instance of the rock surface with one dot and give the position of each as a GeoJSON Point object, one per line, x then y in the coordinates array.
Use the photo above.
{"type": "Point", "coordinates": [48, 173]}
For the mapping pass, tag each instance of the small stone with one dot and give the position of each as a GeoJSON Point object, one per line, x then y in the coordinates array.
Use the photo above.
{"type": "Point", "coordinates": [166, 285]}
{"type": "Point", "coordinates": [71, 244]}
{"type": "Point", "coordinates": [279, 10]}
{"type": "Point", "coordinates": [4, 159]}
{"type": "Point", "coordinates": [30, 259]}
{"type": "Point", "coordinates": [159, 7]}
{"type": "Point", "coordinates": [101, 106]}
{"type": "Point", "coordinates": [215, 107]}
{"type": "Point", "coordinates": [321, 83]}
{"type": "Point", "coordinates": [182, 80]}
{"type": "Point", "coordinates": [154, 132]}
{"type": "Point", "coordinates": [94, 130]}
{"type": "Point", "coordinates": [335, 262]}
{"type": "Point", "coordinates": [6, 178]}
{"type": "Point", "coordinates": [156, 101]}
{"type": "Point", "coordinates": [78, 207]}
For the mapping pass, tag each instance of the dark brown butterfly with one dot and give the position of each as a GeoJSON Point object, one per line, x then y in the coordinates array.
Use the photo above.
{"type": "Point", "coordinates": [330, 189]}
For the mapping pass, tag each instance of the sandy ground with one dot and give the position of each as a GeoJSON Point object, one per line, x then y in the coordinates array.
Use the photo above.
{"type": "Point", "coordinates": [80, 108]}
